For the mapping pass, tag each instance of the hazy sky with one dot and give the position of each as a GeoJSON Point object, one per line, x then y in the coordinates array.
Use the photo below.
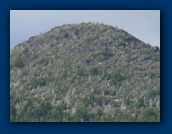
{"type": "Point", "coordinates": [143, 24]}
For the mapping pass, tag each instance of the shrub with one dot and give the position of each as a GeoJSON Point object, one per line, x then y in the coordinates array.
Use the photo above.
{"type": "Point", "coordinates": [116, 76]}
{"type": "Point", "coordinates": [81, 113]}
{"type": "Point", "coordinates": [104, 55]}
{"type": "Point", "coordinates": [26, 50]}
{"type": "Point", "coordinates": [17, 63]}
{"type": "Point", "coordinates": [155, 57]}
{"type": "Point", "coordinates": [120, 44]}
{"type": "Point", "coordinates": [13, 113]}
{"type": "Point", "coordinates": [43, 62]}
{"type": "Point", "coordinates": [106, 92]}
{"type": "Point", "coordinates": [94, 71]}
{"type": "Point", "coordinates": [149, 115]}
{"type": "Point", "coordinates": [37, 82]}
{"type": "Point", "coordinates": [27, 105]}
{"type": "Point", "coordinates": [127, 101]}
{"type": "Point", "coordinates": [105, 76]}
{"type": "Point", "coordinates": [80, 72]}
{"type": "Point", "coordinates": [140, 102]}
{"type": "Point", "coordinates": [153, 93]}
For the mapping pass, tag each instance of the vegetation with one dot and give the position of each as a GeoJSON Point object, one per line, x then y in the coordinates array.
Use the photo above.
{"type": "Point", "coordinates": [86, 72]}
{"type": "Point", "coordinates": [17, 63]}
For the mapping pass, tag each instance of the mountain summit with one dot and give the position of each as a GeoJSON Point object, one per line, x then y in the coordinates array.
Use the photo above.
{"type": "Point", "coordinates": [84, 72]}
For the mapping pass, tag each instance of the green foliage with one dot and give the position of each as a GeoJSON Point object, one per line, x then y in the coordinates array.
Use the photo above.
{"type": "Point", "coordinates": [116, 76]}
{"type": "Point", "coordinates": [81, 114]}
{"type": "Point", "coordinates": [99, 113]}
{"type": "Point", "coordinates": [42, 111]}
{"type": "Point", "coordinates": [127, 101]}
{"type": "Point", "coordinates": [87, 61]}
{"type": "Point", "coordinates": [34, 82]}
{"type": "Point", "coordinates": [149, 115]}
{"type": "Point", "coordinates": [88, 101]}
{"type": "Point", "coordinates": [92, 98]}
{"type": "Point", "coordinates": [105, 76]}
{"type": "Point", "coordinates": [63, 106]}
{"type": "Point", "coordinates": [45, 107]}
{"type": "Point", "coordinates": [94, 71]}
{"type": "Point", "coordinates": [27, 106]}
{"type": "Point", "coordinates": [13, 113]}
{"type": "Point", "coordinates": [147, 51]}
{"type": "Point", "coordinates": [106, 92]}
{"type": "Point", "coordinates": [104, 55]}
{"type": "Point", "coordinates": [140, 102]}
{"type": "Point", "coordinates": [64, 74]}
{"type": "Point", "coordinates": [155, 57]}
{"type": "Point", "coordinates": [120, 44]}
{"type": "Point", "coordinates": [17, 63]}
{"type": "Point", "coordinates": [128, 38]}
{"type": "Point", "coordinates": [43, 62]}
{"type": "Point", "coordinates": [80, 72]}
{"type": "Point", "coordinates": [73, 78]}
{"type": "Point", "coordinates": [153, 93]}
{"type": "Point", "coordinates": [89, 39]}
{"type": "Point", "coordinates": [26, 50]}
{"type": "Point", "coordinates": [152, 75]}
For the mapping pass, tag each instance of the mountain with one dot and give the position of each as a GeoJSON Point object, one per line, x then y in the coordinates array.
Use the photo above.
{"type": "Point", "coordinates": [87, 72]}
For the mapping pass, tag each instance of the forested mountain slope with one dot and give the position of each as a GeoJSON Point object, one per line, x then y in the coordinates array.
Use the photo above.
{"type": "Point", "coordinates": [84, 72]}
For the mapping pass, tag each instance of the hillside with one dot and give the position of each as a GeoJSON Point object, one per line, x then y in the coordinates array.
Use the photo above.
{"type": "Point", "coordinates": [84, 72]}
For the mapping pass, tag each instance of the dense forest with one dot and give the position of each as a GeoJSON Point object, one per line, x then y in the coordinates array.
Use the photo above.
{"type": "Point", "coordinates": [87, 72]}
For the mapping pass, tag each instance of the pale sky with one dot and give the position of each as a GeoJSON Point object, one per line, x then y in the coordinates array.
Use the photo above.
{"type": "Point", "coordinates": [143, 24]}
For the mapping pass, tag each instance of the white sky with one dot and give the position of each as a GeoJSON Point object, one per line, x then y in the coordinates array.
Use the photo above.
{"type": "Point", "coordinates": [143, 24]}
